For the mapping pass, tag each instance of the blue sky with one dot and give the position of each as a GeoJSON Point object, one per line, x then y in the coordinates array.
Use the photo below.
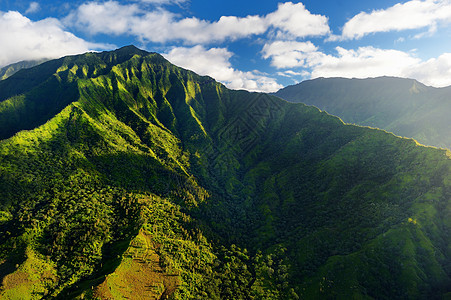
{"type": "Point", "coordinates": [253, 45]}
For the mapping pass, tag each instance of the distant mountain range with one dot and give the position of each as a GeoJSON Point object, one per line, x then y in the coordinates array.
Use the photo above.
{"type": "Point", "coordinates": [9, 70]}
{"type": "Point", "coordinates": [402, 106]}
{"type": "Point", "coordinates": [124, 176]}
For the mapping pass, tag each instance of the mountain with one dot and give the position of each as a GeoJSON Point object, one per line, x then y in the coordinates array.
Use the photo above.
{"type": "Point", "coordinates": [124, 176]}
{"type": "Point", "coordinates": [402, 106]}
{"type": "Point", "coordinates": [9, 70]}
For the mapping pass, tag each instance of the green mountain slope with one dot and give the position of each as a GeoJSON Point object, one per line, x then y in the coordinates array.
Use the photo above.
{"type": "Point", "coordinates": [9, 70]}
{"type": "Point", "coordinates": [144, 180]}
{"type": "Point", "coordinates": [402, 106]}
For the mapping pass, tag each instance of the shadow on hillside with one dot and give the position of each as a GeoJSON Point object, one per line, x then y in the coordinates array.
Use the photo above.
{"type": "Point", "coordinates": [112, 258]}
{"type": "Point", "coordinates": [11, 264]}
{"type": "Point", "coordinates": [36, 107]}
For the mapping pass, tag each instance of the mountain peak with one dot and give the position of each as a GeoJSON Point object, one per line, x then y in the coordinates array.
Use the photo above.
{"type": "Point", "coordinates": [132, 166]}
{"type": "Point", "coordinates": [396, 104]}
{"type": "Point", "coordinates": [127, 52]}
{"type": "Point", "coordinates": [130, 49]}
{"type": "Point", "coordinates": [123, 54]}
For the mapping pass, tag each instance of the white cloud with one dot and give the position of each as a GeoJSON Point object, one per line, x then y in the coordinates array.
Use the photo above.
{"type": "Point", "coordinates": [163, 2]}
{"type": "Point", "coordinates": [294, 20]}
{"type": "Point", "coordinates": [23, 39]}
{"type": "Point", "coordinates": [34, 7]}
{"type": "Point", "coordinates": [435, 71]}
{"type": "Point", "coordinates": [291, 74]}
{"type": "Point", "coordinates": [215, 63]}
{"type": "Point", "coordinates": [372, 62]}
{"type": "Point", "coordinates": [361, 63]}
{"type": "Point", "coordinates": [413, 14]}
{"type": "Point", "coordinates": [288, 54]}
{"type": "Point", "coordinates": [160, 25]}
{"type": "Point", "coordinates": [109, 17]}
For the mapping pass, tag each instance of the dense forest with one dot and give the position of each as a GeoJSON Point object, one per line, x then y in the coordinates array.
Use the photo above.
{"type": "Point", "coordinates": [9, 70]}
{"type": "Point", "coordinates": [124, 176]}
{"type": "Point", "coordinates": [403, 106]}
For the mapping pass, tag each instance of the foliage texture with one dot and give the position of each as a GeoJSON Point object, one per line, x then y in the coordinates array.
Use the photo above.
{"type": "Point", "coordinates": [124, 176]}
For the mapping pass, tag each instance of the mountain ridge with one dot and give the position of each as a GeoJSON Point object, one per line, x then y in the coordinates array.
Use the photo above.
{"type": "Point", "coordinates": [211, 193]}
{"type": "Point", "coordinates": [11, 69]}
{"type": "Point", "coordinates": [403, 106]}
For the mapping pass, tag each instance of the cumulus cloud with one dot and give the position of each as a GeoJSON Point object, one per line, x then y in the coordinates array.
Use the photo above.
{"type": "Point", "coordinates": [435, 71]}
{"type": "Point", "coordinates": [372, 62]}
{"type": "Point", "coordinates": [34, 7]}
{"type": "Point", "coordinates": [160, 25]}
{"type": "Point", "coordinates": [109, 17]}
{"type": "Point", "coordinates": [413, 14]}
{"type": "Point", "coordinates": [23, 39]}
{"type": "Point", "coordinates": [294, 20]}
{"type": "Point", "coordinates": [288, 54]}
{"type": "Point", "coordinates": [215, 62]}
{"type": "Point", "coordinates": [362, 62]}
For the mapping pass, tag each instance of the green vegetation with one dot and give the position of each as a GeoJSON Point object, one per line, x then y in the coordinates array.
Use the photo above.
{"type": "Point", "coordinates": [142, 180]}
{"type": "Point", "coordinates": [402, 106]}
{"type": "Point", "coordinates": [10, 70]}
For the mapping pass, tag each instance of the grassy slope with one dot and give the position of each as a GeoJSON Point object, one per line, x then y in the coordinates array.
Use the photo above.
{"type": "Point", "coordinates": [403, 106]}
{"type": "Point", "coordinates": [156, 169]}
